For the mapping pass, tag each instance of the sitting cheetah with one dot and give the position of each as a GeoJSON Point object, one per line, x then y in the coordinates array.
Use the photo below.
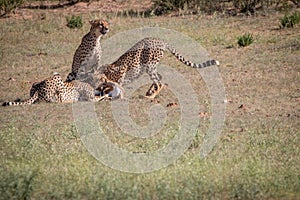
{"type": "Point", "coordinates": [89, 51]}
{"type": "Point", "coordinates": [144, 57]}
{"type": "Point", "coordinates": [54, 89]}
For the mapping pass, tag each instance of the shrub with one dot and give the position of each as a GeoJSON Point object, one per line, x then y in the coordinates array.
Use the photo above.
{"type": "Point", "coordinates": [211, 6]}
{"type": "Point", "coordinates": [289, 21]}
{"type": "Point", "coordinates": [296, 2]}
{"type": "Point", "coordinates": [245, 40]}
{"type": "Point", "coordinates": [246, 6]}
{"type": "Point", "coordinates": [7, 6]}
{"type": "Point", "coordinates": [74, 21]}
{"type": "Point", "coordinates": [161, 7]}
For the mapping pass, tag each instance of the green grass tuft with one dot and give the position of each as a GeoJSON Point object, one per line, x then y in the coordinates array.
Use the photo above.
{"type": "Point", "coordinates": [289, 21]}
{"type": "Point", "coordinates": [74, 21]}
{"type": "Point", "coordinates": [245, 40]}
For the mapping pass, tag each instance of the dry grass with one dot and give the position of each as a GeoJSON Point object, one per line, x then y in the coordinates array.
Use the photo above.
{"type": "Point", "coordinates": [257, 156]}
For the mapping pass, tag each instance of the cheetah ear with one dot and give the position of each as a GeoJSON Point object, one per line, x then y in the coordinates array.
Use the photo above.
{"type": "Point", "coordinates": [91, 22]}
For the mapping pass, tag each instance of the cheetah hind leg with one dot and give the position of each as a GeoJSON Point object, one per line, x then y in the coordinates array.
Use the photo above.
{"type": "Point", "coordinates": [154, 90]}
{"type": "Point", "coordinates": [156, 86]}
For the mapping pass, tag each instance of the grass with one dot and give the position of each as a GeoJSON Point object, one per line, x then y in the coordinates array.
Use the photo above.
{"type": "Point", "coordinates": [74, 22]}
{"type": "Point", "coordinates": [8, 6]}
{"type": "Point", "coordinates": [256, 157]}
{"type": "Point", "coordinates": [289, 21]}
{"type": "Point", "coordinates": [245, 40]}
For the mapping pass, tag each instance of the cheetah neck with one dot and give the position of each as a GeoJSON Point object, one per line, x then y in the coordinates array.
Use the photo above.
{"type": "Point", "coordinates": [98, 45]}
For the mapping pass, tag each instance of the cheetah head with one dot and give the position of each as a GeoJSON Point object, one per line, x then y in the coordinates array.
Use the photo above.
{"type": "Point", "coordinates": [100, 27]}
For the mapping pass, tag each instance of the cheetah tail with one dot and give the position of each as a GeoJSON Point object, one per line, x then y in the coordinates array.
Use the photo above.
{"type": "Point", "coordinates": [189, 63]}
{"type": "Point", "coordinates": [19, 103]}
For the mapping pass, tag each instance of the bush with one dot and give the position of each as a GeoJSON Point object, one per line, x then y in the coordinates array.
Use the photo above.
{"type": "Point", "coordinates": [7, 6]}
{"type": "Point", "coordinates": [246, 6]}
{"type": "Point", "coordinates": [74, 21]}
{"type": "Point", "coordinates": [245, 40]}
{"type": "Point", "coordinates": [161, 7]}
{"type": "Point", "coordinates": [289, 21]}
{"type": "Point", "coordinates": [211, 6]}
{"type": "Point", "coordinates": [296, 2]}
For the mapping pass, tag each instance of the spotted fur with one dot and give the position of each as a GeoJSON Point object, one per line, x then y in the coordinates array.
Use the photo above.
{"type": "Point", "coordinates": [144, 57]}
{"type": "Point", "coordinates": [53, 89]}
{"type": "Point", "coordinates": [89, 51]}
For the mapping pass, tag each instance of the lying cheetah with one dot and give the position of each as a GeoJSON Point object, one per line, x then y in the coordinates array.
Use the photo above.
{"type": "Point", "coordinates": [144, 57]}
{"type": "Point", "coordinates": [89, 51]}
{"type": "Point", "coordinates": [54, 89]}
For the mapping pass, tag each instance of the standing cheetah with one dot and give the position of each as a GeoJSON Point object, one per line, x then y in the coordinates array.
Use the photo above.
{"type": "Point", "coordinates": [53, 89]}
{"type": "Point", "coordinates": [89, 51]}
{"type": "Point", "coordinates": [144, 57]}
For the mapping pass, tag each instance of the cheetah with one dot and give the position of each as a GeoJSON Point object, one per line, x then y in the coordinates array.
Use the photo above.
{"type": "Point", "coordinates": [89, 51]}
{"type": "Point", "coordinates": [53, 89]}
{"type": "Point", "coordinates": [144, 56]}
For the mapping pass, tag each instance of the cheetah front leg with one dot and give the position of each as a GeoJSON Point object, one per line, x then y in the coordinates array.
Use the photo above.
{"type": "Point", "coordinates": [156, 86]}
